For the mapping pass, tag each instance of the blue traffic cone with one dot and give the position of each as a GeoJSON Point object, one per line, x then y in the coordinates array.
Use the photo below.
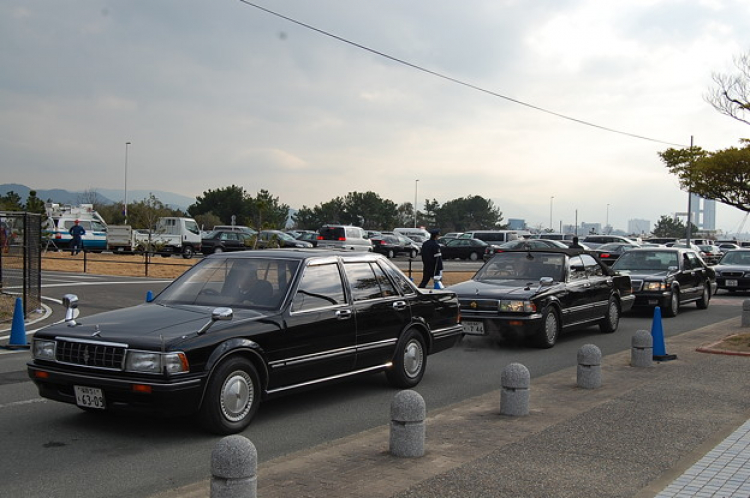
{"type": "Point", "coordinates": [439, 284]}
{"type": "Point", "coordinates": [18, 328]}
{"type": "Point", "coordinates": [657, 333]}
{"type": "Point", "coordinates": [149, 296]}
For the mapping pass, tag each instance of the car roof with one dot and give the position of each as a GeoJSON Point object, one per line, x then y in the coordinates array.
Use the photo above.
{"type": "Point", "coordinates": [300, 254]}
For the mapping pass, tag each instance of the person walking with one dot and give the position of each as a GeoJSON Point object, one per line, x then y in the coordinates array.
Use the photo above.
{"type": "Point", "coordinates": [76, 243]}
{"type": "Point", "coordinates": [432, 260]}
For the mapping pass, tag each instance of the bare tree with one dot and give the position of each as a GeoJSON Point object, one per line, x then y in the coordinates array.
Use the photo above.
{"type": "Point", "coordinates": [732, 93]}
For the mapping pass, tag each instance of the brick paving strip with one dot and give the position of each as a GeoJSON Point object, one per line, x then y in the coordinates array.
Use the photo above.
{"type": "Point", "coordinates": [469, 431]}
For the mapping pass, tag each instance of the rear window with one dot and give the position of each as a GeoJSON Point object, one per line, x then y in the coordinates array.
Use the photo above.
{"type": "Point", "coordinates": [332, 233]}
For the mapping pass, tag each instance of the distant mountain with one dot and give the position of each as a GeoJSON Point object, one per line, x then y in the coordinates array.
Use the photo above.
{"type": "Point", "coordinates": [106, 196]}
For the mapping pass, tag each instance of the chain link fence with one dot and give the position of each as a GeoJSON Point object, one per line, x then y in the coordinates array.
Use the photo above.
{"type": "Point", "coordinates": [20, 262]}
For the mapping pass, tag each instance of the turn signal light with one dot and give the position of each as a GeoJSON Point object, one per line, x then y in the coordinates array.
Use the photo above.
{"type": "Point", "coordinates": [141, 388]}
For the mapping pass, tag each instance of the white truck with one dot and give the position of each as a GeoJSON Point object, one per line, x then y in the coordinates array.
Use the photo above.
{"type": "Point", "coordinates": [171, 235]}
{"type": "Point", "coordinates": [60, 217]}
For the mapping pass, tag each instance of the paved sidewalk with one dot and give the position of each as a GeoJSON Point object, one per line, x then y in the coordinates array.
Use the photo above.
{"type": "Point", "coordinates": [639, 435]}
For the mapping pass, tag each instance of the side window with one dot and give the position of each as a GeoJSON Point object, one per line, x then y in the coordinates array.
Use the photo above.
{"type": "Point", "coordinates": [693, 262]}
{"type": "Point", "coordinates": [320, 287]}
{"type": "Point", "coordinates": [577, 270]}
{"type": "Point", "coordinates": [400, 279]}
{"type": "Point", "coordinates": [592, 267]}
{"type": "Point", "coordinates": [368, 282]}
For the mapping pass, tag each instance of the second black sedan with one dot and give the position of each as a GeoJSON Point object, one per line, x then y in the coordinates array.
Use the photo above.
{"type": "Point", "coordinates": [472, 249]}
{"type": "Point", "coordinates": [609, 253]}
{"type": "Point", "coordinates": [226, 240]}
{"type": "Point", "coordinates": [539, 293]}
{"type": "Point", "coordinates": [733, 271]}
{"type": "Point", "coordinates": [667, 277]}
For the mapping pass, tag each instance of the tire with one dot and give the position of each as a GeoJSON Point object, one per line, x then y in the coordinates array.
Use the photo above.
{"type": "Point", "coordinates": [611, 319]}
{"type": "Point", "coordinates": [702, 303]}
{"type": "Point", "coordinates": [218, 250]}
{"type": "Point", "coordinates": [390, 254]}
{"type": "Point", "coordinates": [232, 397]}
{"type": "Point", "coordinates": [473, 256]}
{"type": "Point", "coordinates": [413, 254]}
{"type": "Point", "coordinates": [550, 331]}
{"type": "Point", "coordinates": [188, 252]}
{"type": "Point", "coordinates": [409, 361]}
{"type": "Point", "coordinates": [672, 306]}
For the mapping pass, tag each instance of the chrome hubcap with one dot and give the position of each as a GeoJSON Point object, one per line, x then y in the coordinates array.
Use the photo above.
{"type": "Point", "coordinates": [413, 358]}
{"type": "Point", "coordinates": [237, 396]}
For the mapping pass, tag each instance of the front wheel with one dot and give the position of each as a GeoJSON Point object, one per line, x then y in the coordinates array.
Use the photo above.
{"type": "Point", "coordinates": [409, 361]}
{"type": "Point", "coordinates": [672, 305]}
{"type": "Point", "coordinates": [547, 335]}
{"type": "Point", "coordinates": [232, 397]}
{"type": "Point", "coordinates": [413, 254]}
{"type": "Point", "coordinates": [473, 256]}
{"type": "Point", "coordinates": [702, 303]}
{"type": "Point", "coordinates": [611, 320]}
{"type": "Point", "coordinates": [188, 252]}
{"type": "Point", "coordinates": [390, 254]}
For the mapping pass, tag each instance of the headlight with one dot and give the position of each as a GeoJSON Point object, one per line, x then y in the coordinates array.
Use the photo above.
{"type": "Point", "coordinates": [141, 361]}
{"type": "Point", "coordinates": [516, 306]}
{"type": "Point", "coordinates": [44, 350]}
{"type": "Point", "coordinates": [654, 286]}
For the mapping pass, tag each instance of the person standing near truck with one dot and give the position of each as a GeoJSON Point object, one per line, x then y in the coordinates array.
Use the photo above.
{"type": "Point", "coordinates": [432, 260]}
{"type": "Point", "coordinates": [76, 243]}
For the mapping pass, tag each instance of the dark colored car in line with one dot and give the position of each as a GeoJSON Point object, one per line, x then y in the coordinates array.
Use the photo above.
{"type": "Point", "coordinates": [473, 249]}
{"type": "Point", "coordinates": [226, 240]}
{"type": "Point", "coordinates": [238, 328]}
{"type": "Point", "coordinates": [667, 277]}
{"type": "Point", "coordinates": [539, 293]}
{"type": "Point", "coordinates": [609, 252]}
{"type": "Point", "coordinates": [733, 271]}
{"type": "Point", "coordinates": [389, 245]}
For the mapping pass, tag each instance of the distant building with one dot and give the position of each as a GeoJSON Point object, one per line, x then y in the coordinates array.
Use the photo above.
{"type": "Point", "coordinates": [516, 224]}
{"type": "Point", "coordinates": [639, 226]}
{"type": "Point", "coordinates": [587, 228]}
{"type": "Point", "coordinates": [703, 212]}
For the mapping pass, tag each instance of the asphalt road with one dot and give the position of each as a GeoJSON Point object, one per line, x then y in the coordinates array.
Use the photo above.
{"type": "Point", "coordinates": [52, 449]}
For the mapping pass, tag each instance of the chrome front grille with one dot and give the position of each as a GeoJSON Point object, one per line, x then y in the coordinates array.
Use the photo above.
{"type": "Point", "coordinates": [734, 274]}
{"type": "Point", "coordinates": [478, 304]}
{"type": "Point", "coordinates": [90, 354]}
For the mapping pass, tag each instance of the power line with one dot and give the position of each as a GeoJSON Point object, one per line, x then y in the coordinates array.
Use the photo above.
{"type": "Point", "coordinates": [454, 80]}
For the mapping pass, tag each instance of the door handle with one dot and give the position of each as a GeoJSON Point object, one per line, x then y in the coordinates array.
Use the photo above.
{"type": "Point", "coordinates": [344, 314]}
{"type": "Point", "coordinates": [399, 305]}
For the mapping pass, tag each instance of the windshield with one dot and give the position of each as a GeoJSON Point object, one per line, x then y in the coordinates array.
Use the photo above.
{"type": "Point", "coordinates": [736, 258]}
{"type": "Point", "coordinates": [522, 266]}
{"type": "Point", "coordinates": [646, 260]}
{"type": "Point", "coordinates": [233, 282]}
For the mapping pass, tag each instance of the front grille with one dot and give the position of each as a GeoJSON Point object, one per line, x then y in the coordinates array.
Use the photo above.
{"type": "Point", "coordinates": [90, 354]}
{"type": "Point", "coordinates": [478, 304]}
{"type": "Point", "coordinates": [732, 273]}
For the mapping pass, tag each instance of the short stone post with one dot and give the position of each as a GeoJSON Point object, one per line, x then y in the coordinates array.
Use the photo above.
{"type": "Point", "coordinates": [642, 349]}
{"type": "Point", "coordinates": [407, 424]}
{"type": "Point", "coordinates": [234, 467]}
{"type": "Point", "coordinates": [589, 367]}
{"type": "Point", "coordinates": [746, 313]}
{"type": "Point", "coordinates": [515, 390]}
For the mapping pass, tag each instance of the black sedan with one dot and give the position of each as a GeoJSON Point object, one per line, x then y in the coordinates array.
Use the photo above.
{"type": "Point", "coordinates": [518, 244]}
{"type": "Point", "coordinates": [391, 245]}
{"type": "Point", "coordinates": [240, 327]}
{"type": "Point", "coordinates": [610, 252]}
{"type": "Point", "coordinates": [667, 277]}
{"type": "Point", "coordinates": [539, 293]}
{"type": "Point", "coordinates": [226, 240]}
{"type": "Point", "coordinates": [472, 249]}
{"type": "Point", "coordinates": [733, 271]}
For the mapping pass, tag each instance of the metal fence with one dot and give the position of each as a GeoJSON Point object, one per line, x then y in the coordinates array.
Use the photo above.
{"type": "Point", "coordinates": [20, 262]}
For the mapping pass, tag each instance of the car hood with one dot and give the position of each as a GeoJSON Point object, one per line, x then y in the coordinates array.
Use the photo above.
{"type": "Point", "coordinates": [510, 288]}
{"type": "Point", "coordinates": [720, 268]}
{"type": "Point", "coordinates": [645, 273]}
{"type": "Point", "coordinates": [144, 324]}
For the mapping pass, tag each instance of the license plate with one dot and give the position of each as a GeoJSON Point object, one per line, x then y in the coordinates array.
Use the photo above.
{"type": "Point", "coordinates": [473, 328]}
{"type": "Point", "coordinates": [89, 397]}
{"type": "Point", "coordinates": [730, 283]}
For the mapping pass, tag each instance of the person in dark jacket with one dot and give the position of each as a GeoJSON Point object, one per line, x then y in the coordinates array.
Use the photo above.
{"type": "Point", "coordinates": [432, 260]}
{"type": "Point", "coordinates": [76, 243]}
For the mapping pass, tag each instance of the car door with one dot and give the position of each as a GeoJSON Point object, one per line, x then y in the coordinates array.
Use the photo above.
{"type": "Point", "coordinates": [381, 313]}
{"type": "Point", "coordinates": [599, 288]}
{"type": "Point", "coordinates": [320, 337]}
{"type": "Point", "coordinates": [694, 274]}
{"type": "Point", "coordinates": [576, 302]}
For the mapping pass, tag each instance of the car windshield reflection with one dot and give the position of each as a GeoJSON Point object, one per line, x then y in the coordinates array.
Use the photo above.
{"type": "Point", "coordinates": [647, 260]}
{"type": "Point", "coordinates": [523, 266]}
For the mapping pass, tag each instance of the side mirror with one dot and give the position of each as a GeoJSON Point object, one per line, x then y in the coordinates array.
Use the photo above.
{"type": "Point", "coordinates": [70, 301]}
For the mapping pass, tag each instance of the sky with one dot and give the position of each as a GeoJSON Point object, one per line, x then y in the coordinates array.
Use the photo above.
{"type": "Point", "coordinates": [445, 104]}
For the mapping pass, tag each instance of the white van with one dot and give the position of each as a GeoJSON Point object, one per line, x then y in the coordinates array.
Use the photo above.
{"type": "Point", "coordinates": [415, 234]}
{"type": "Point", "coordinates": [495, 237]}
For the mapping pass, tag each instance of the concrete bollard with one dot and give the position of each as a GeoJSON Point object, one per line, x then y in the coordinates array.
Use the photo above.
{"type": "Point", "coordinates": [746, 313]}
{"type": "Point", "coordinates": [234, 467]}
{"type": "Point", "coordinates": [642, 349]}
{"type": "Point", "coordinates": [589, 367]}
{"type": "Point", "coordinates": [407, 424]}
{"type": "Point", "coordinates": [514, 395]}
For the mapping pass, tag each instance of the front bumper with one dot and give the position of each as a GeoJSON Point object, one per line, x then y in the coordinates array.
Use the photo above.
{"type": "Point", "coordinates": [501, 326]}
{"type": "Point", "coordinates": [176, 397]}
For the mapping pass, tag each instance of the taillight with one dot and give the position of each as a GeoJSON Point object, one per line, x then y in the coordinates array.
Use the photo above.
{"type": "Point", "coordinates": [342, 239]}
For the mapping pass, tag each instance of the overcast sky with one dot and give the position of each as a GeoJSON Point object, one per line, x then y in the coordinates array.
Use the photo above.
{"type": "Point", "coordinates": [217, 92]}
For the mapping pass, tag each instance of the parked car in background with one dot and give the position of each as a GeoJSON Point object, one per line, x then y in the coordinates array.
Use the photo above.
{"type": "Point", "coordinates": [236, 228]}
{"type": "Point", "coordinates": [538, 293]}
{"type": "Point", "coordinates": [308, 236]}
{"type": "Point", "coordinates": [710, 253]}
{"type": "Point", "coordinates": [728, 246]}
{"type": "Point", "coordinates": [389, 245]}
{"type": "Point", "coordinates": [277, 238]}
{"type": "Point", "coordinates": [239, 328]}
{"type": "Point", "coordinates": [518, 244]}
{"type": "Point", "coordinates": [346, 237]}
{"type": "Point", "coordinates": [452, 235]}
{"type": "Point", "coordinates": [667, 277]}
{"type": "Point", "coordinates": [472, 249]}
{"type": "Point", "coordinates": [226, 240]}
{"type": "Point", "coordinates": [733, 271]}
{"type": "Point", "coordinates": [595, 241]}
{"type": "Point", "coordinates": [609, 253]}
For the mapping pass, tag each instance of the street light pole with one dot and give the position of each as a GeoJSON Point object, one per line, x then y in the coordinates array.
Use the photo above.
{"type": "Point", "coordinates": [550, 212]}
{"type": "Point", "coordinates": [416, 185]}
{"type": "Point", "coordinates": [125, 211]}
